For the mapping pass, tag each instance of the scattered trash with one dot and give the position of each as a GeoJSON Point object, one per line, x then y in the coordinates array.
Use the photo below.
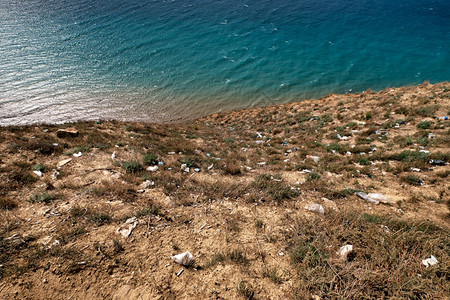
{"type": "Point", "coordinates": [210, 167]}
{"type": "Point", "coordinates": [160, 163]}
{"type": "Point", "coordinates": [415, 170]}
{"type": "Point", "coordinates": [385, 228]}
{"type": "Point", "coordinates": [197, 170]}
{"type": "Point", "coordinates": [184, 258]}
{"type": "Point", "coordinates": [437, 162]}
{"type": "Point", "coordinates": [171, 153]}
{"type": "Point", "coordinates": [55, 174]}
{"type": "Point", "coordinates": [152, 168]}
{"type": "Point", "coordinates": [126, 229]}
{"type": "Point", "coordinates": [78, 154]}
{"type": "Point", "coordinates": [425, 151]}
{"type": "Point", "coordinates": [262, 163]}
{"type": "Point", "coordinates": [380, 197]}
{"type": "Point", "coordinates": [183, 166]}
{"type": "Point", "coordinates": [281, 253]}
{"type": "Point", "coordinates": [315, 208]}
{"type": "Point", "coordinates": [259, 142]}
{"type": "Point", "coordinates": [431, 135]}
{"type": "Point", "coordinates": [38, 173]}
{"type": "Point", "coordinates": [180, 272]}
{"type": "Point", "coordinates": [343, 138]}
{"type": "Point", "coordinates": [443, 118]}
{"type": "Point", "coordinates": [348, 153]}
{"type": "Point", "coordinates": [366, 197]}
{"type": "Point", "coordinates": [344, 251]}
{"type": "Point", "coordinates": [187, 170]}
{"type": "Point", "coordinates": [113, 156]}
{"type": "Point", "coordinates": [63, 162]}
{"type": "Point", "coordinates": [146, 184]}
{"type": "Point", "coordinates": [430, 261]}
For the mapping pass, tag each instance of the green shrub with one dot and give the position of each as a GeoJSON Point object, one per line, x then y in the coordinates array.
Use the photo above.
{"type": "Point", "coordinates": [364, 161]}
{"type": "Point", "coordinates": [132, 166]}
{"type": "Point", "coordinates": [424, 125]}
{"type": "Point", "coordinates": [413, 180]}
{"type": "Point", "coordinates": [41, 168]}
{"type": "Point", "coordinates": [44, 197]}
{"type": "Point", "coordinates": [150, 159]}
{"type": "Point", "coordinates": [312, 176]}
{"type": "Point", "coordinates": [100, 219]}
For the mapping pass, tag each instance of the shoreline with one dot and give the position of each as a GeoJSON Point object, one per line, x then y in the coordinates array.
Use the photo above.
{"type": "Point", "coordinates": [188, 117]}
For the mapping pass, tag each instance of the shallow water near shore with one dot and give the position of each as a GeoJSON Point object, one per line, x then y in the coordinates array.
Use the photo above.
{"type": "Point", "coordinates": [164, 61]}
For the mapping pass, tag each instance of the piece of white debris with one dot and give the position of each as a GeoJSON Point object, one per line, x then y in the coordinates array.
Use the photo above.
{"type": "Point", "coordinates": [185, 258]}
{"type": "Point", "coordinates": [210, 167]}
{"type": "Point", "coordinates": [55, 174]}
{"type": "Point", "coordinates": [344, 251]}
{"type": "Point", "coordinates": [38, 173]}
{"type": "Point", "coordinates": [126, 229]}
{"type": "Point", "coordinates": [315, 208]}
{"type": "Point", "coordinates": [113, 156]}
{"type": "Point", "coordinates": [366, 197]}
{"type": "Point", "coordinates": [152, 168]}
{"type": "Point", "coordinates": [430, 261]}
{"type": "Point", "coordinates": [78, 154]}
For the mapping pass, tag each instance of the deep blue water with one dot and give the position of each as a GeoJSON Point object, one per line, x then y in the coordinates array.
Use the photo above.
{"type": "Point", "coordinates": [168, 60]}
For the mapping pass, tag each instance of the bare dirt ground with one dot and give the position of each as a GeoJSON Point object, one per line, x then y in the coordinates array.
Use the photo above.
{"type": "Point", "coordinates": [232, 189]}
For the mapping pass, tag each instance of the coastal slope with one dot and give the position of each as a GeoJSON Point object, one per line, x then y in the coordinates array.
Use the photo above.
{"type": "Point", "coordinates": [267, 200]}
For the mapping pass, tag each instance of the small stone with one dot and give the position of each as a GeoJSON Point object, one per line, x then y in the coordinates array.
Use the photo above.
{"type": "Point", "coordinates": [68, 132]}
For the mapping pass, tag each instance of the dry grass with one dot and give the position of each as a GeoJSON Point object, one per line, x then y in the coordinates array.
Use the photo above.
{"type": "Point", "coordinates": [385, 262]}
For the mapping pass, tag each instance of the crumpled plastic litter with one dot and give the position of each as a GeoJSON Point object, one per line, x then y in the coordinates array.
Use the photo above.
{"type": "Point", "coordinates": [126, 229]}
{"type": "Point", "coordinates": [315, 208]}
{"type": "Point", "coordinates": [366, 197]}
{"type": "Point", "coordinates": [430, 261]}
{"type": "Point", "coordinates": [344, 251]}
{"type": "Point", "coordinates": [184, 258]}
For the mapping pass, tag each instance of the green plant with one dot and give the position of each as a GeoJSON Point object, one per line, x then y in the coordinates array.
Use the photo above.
{"type": "Point", "coordinates": [42, 197]}
{"type": "Point", "coordinates": [150, 159]}
{"type": "Point", "coordinates": [364, 161]}
{"type": "Point", "coordinates": [100, 219]}
{"type": "Point", "coordinates": [152, 210]}
{"type": "Point", "coordinates": [424, 125]}
{"type": "Point", "coordinates": [41, 168]}
{"type": "Point", "coordinates": [413, 180]}
{"type": "Point", "coordinates": [313, 176]}
{"type": "Point", "coordinates": [132, 166]}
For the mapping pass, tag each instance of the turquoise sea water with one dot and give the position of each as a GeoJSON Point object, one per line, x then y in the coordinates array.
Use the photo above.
{"type": "Point", "coordinates": [64, 60]}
